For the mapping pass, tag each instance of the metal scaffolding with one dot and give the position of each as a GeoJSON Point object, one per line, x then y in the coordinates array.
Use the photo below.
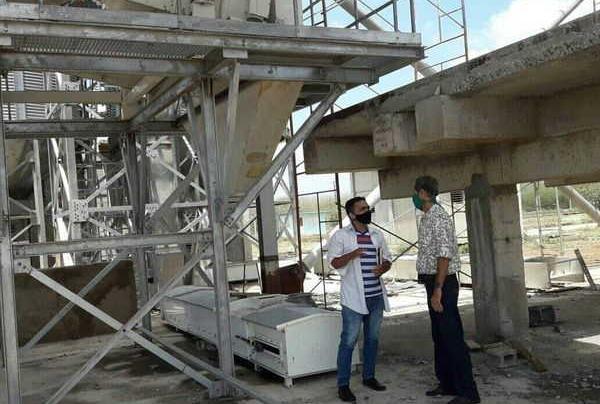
{"type": "Point", "coordinates": [96, 198]}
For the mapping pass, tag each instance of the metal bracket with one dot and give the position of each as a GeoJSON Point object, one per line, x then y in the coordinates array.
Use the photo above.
{"type": "Point", "coordinates": [22, 266]}
{"type": "Point", "coordinates": [78, 210]}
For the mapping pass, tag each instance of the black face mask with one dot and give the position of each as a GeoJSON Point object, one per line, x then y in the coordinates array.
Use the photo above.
{"type": "Point", "coordinates": [365, 218]}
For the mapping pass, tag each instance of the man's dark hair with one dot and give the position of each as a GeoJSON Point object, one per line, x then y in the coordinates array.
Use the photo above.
{"type": "Point", "coordinates": [350, 203]}
{"type": "Point", "coordinates": [429, 184]}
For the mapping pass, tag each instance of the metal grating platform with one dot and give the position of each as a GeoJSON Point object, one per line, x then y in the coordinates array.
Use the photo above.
{"type": "Point", "coordinates": [36, 32]}
{"type": "Point", "coordinates": [103, 47]}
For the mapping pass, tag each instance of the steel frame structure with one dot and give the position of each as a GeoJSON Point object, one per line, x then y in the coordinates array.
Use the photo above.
{"type": "Point", "coordinates": [197, 53]}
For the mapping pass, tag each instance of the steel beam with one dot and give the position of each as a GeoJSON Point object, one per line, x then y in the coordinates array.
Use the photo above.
{"type": "Point", "coordinates": [267, 235]}
{"type": "Point", "coordinates": [57, 22]}
{"type": "Point", "coordinates": [260, 396]}
{"type": "Point", "coordinates": [63, 97]}
{"type": "Point", "coordinates": [84, 129]}
{"type": "Point", "coordinates": [150, 67]}
{"type": "Point", "coordinates": [7, 287]}
{"type": "Point", "coordinates": [166, 206]}
{"type": "Point", "coordinates": [89, 365]}
{"type": "Point", "coordinates": [197, 141]}
{"type": "Point", "coordinates": [99, 64]}
{"type": "Point", "coordinates": [163, 101]}
{"type": "Point", "coordinates": [115, 324]}
{"type": "Point", "coordinates": [65, 310]}
{"type": "Point", "coordinates": [136, 179]}
{"type": "Point", "coordinates": [282, 158]}
{"type": "Point", "coordinates": [108, 243]}
{"type": "Point", "coordinates": [71, 167]}
{"type": "Point", "coordinates": [216, 208]}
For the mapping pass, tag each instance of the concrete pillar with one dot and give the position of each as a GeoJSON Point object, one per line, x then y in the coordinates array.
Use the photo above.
{"type": "Point", "coordinates": [497, 266]}
{"type": "Point", "coordinates": [267, 236]}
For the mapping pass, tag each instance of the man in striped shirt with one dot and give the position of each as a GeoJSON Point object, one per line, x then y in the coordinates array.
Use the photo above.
{"type": "Point", "coordinates": [360, 255]}
{"type": "Point", "coordinates": [368, 264]}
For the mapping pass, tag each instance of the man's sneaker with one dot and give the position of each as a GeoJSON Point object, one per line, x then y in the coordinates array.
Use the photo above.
{"type": "Point", "coordinates": [465, 400]}
{"type": "Point", "coordinates": [345, 394]}
{"type": "Point", "coordinates": [439, 391]}
{"type": "Point", "coordinates": [374, 384]}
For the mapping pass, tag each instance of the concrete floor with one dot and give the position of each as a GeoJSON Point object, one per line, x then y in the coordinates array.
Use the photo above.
{"type": "Point", "coordinates": [128, 374]}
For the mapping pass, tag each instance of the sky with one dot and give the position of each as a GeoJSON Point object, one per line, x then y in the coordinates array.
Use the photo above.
{"type": "Point", "coordinates": [491, 24]}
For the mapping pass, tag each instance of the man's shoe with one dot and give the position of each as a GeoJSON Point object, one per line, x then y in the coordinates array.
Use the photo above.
{"type": "Point", "coordinates": [345, 394]}
{"type": "Point", "coordinates": [439, 391]}
{"type": "Point", "coordinates": [374, 384]}
{"type": "Point", "coordinates": [465, 400]}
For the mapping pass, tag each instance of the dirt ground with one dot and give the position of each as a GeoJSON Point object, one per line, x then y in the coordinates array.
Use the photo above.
{"type": "Point", "coordinates": [571, 351]}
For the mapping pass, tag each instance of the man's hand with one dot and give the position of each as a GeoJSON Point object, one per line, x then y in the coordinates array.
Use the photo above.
{"type": "Point", "coordinates": [356, 253]}
{"type": "Point", "coordinates": [436, 301]}
{"type": "Point", "coordinates": [380, 269]}
{"type": "Point", "coordinates": [345, 259]}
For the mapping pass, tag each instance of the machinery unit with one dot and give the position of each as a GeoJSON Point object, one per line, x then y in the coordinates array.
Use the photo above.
{"type": "Point", "coordinates": [244, 10]}
{"type": "Point", "coordinates": [278, 333]}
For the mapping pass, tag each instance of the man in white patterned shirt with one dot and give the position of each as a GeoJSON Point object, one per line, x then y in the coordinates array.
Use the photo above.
{"type": "Point", "coordinates": [360, 255]}
{"type": "Point", "coordinates": [437, 265]}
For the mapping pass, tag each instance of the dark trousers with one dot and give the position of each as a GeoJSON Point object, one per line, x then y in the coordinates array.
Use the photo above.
{"type": "Point", "coordinates": [452, 360]}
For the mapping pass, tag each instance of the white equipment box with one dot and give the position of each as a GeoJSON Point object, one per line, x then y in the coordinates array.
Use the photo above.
{"type": "Point", "coordinates": [287, 338]}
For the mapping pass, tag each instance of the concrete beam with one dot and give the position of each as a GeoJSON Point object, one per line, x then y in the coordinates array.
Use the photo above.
{"type": "Point", "coordinates": [444, 124]}
{"type": "Point", "coordinates": [569, 112]}
{"type": "Point", "coordinates": [563, 58]}
{"type": "Point", "coordinates": [355, 125]}
{"type": "Point", "coordinates": [394, 133]}
{"type": "Point", "coordinates": [328, 155]}
{"type": "Point", "coordinates": [567, 180]}
{"type": "Point", "coordinates": [442, 119]}
{"type": "Point", "coordinates": [549, 158]}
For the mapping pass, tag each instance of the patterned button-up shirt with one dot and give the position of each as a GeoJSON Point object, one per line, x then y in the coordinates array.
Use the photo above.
{"type": "Point", "coordinates": [437, 240]}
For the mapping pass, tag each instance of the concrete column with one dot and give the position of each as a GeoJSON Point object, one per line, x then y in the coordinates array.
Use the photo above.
{"type": "Point", "coordinates": [267, 236]}
{"type": "Point", "coordinates": [497, 266]}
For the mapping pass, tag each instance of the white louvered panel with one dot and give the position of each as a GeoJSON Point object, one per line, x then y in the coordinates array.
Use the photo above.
{"type": "Point", "coordinates": [8, 115]}
{"type": "Point", "coordinates": [34, 81]}
{"type": "Point", "coordinates": [52, 81]}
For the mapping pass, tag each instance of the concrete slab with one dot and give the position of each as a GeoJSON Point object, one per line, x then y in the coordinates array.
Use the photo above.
{"type": "Point", "coordinates": [129, 375]}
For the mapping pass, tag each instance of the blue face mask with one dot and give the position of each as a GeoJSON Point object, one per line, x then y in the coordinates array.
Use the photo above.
{"type": "Point", "coordinates": [417, 201]}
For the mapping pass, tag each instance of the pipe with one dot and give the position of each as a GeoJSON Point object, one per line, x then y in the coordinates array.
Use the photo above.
{"type": "Point", "coordinates": [566, 13]}
{"type": "Point", "coordinates": [581, 202]}
{"type": "Point", "coordinates": [348, 5]}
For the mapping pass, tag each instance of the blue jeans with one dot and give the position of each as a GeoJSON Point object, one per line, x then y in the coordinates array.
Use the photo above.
{"type": "Point", "coordinates": [351, 322]}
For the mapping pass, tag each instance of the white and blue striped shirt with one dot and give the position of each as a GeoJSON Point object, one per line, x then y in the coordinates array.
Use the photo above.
{"type": "Point", "coordinates": [368, 262]}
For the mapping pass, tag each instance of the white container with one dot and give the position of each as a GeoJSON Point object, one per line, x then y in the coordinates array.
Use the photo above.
{"type": "Point", "coordinates": [288, 339]}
